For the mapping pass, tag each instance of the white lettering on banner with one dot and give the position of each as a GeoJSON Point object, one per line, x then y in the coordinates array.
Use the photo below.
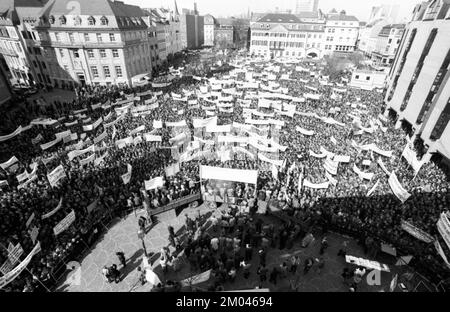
{"type": "Point", "coordinates": [226, 174]}
{"type": "Point", "coordinates": [443, 226]}
{"type": "Point", "coordinates": [153, 183]}
{"type": "Point", "coordinates": [14, 273]}
{"type": "Point", "coordinates": [416, 232]}
{"type": "Point", "coordinates": [65, 223]}
{"type": "Point", "coordinates": [56, 175]}
{"type": "Point", "coordinates": [323, 185]}
{"type": "Point", "coordinates": [181, 123]}
{"type": "Point", "coordinates": [397, 188]}
{"type": "Point", "coordinates": [361, 174]}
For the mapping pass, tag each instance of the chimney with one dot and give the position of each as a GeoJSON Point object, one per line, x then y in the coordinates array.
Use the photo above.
{"type": "Point", "coordinates": [195, 8]}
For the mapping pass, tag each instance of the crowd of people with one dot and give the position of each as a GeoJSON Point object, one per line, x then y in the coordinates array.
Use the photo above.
{"type": "Point", "coordinates": [344, 207]}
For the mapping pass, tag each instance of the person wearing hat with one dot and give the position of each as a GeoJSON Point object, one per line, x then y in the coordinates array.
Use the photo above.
{"type": "Point", "coordinates": [248, 252]}
{"type": "Point", "coordinates": [262, 256]}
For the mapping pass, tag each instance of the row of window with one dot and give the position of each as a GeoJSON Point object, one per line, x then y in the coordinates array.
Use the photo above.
{"type": "Point", "coordinates": [78, 20]}
{"type": "Point", "coordinates": [112, 37]}
{"type": "Point", "coordinates": [281, 44]}
{"type": "Point", "coordinates": [284, 35]}
{"type": "Point", "coordinates": [333, 30]}
{"type": "Point", "coordinates": [295, 26]}
{"type": "Point", "coordinates": [106, 71]}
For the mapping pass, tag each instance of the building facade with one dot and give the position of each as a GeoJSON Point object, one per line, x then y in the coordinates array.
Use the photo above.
{"type": "Point", "coordinates": [287, 35]}
{"type": "Point", "coordinates": [387, 44]}
{"type": "Point", "coordinates": [418, 91]}
{"type": "Point", "coordinates": [209, 30]}
{"type": "Point", "coordinates": [102, 43]}
{"type": "Point", "coordinates": [341, 33]}
{"type": "Point", "coordinates": [17, 42]}
{"type": "Point", "coordinates": [5, 88]}
{"type": "Point", "coordinates": [306, 6]}
{"type": "Point", "coordinates": [192, 29]}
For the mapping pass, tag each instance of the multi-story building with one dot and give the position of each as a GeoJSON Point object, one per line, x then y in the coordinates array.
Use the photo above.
{"type": "Point", "coordinates": [380, 17]}
{"type": "Point", "coordinates": [418, 90]}
{"type": "Point", "coordinates": [100, 42]}
{"type": "Point", "coordinates": [224, 34]}
{"type": "Point", "coordinates": [341, 33]}
{"type": "Point", "coordinates": [306, 6]}
{"type": "Point", "coordinates": [241, 29]}
{"type": "Point", "coordinates": [210, 24]}
{"type": "Point", "coordinates": [192, 29]}
{"type": "Point", "coordinates": [387, 44]}
{"type": "Point", "coordinates": [384, 12]}
{"type": "Point", "coordinates": [288, 35]}
{"type": "Point", "coordinates": [17, 42]}
{"type": "Point", "coordinates": [5, 88]}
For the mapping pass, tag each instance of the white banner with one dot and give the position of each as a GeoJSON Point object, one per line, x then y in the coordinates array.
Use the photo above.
{"type": "Point", "coordinates": [216, 173]}
{"type": "Point", "coordinates": [411, 158]}
{"type": "Point", "coordinates": [397, 188]}
{"type": "Point", "coordinates": [51, 213]}
{"type": "Point", "coordinates": [181, 123]}
{"type": "Point", "coordinates": [152, 138]}
{"type": "Point", "coordinates": [370, 192]}
{"type": "Point", "coordinates": [127, 176]}
{"type": "Point", "coordinates": [11, 135]}
{"type": "Point", "coordinates": [443, 226]}
{"type": "Point", "coordinates": [278, 163]}
{"type": "Point", "coordinates": [331, 166]}
{"type": "Point", "coordinates": [416, 232]}
{"type": "Point", "coordinates": [154, 183]}
{"type": "Point", "coordinates": [342, 158]}
{"type": "Point", "coordinates": [9, 162]}
{"type": "Point", "coordinates": [323, 185]}
{"type": "Point", "coordinates": [50, 144]}
{"type": "Point", "coordinates": [173, 169]}
{"type": "Point", "coordinates": [157, 124]}
{"type": "Point", "coordinates": [65, 223]}
{"type": "Point", "coordinates": [361, 174]}
{"type": "Point", "coordinates": [322, 155]}
{"type": "Point", "coordinates": [56, 175]}
{"type": "Point", "coordinates": [87, 160]}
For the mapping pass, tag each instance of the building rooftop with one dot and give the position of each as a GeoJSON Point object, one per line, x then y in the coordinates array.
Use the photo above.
{"type": "Point", "coordinates": [94, 7]}
{"type": "Point", "coordinates": [279, 18]}
{"type": "Point", "coordinates": [342, 17]}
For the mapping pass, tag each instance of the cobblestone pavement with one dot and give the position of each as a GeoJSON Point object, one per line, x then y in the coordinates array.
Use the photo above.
{"type": "Point", "coordinates": [122, 236]}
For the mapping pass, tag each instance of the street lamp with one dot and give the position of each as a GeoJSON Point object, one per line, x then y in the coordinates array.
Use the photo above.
{"type": "Point", "coordinates": [141, 236]}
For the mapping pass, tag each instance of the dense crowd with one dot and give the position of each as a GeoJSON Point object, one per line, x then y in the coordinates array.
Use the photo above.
{"type": "Point", "coordinates": [344, 207]}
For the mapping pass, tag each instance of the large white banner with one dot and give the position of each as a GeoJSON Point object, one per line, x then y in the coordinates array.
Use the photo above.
{"type": "Point", "coordinates": [56, 175]}
{"type": "Point", "coordinates": [11, 135]}
{"type": "Point", "coordinates": [278, 163]}
{"type": "Point", "coordinates": [397, 188]}
{"type": "Point", "coordinates": [9, 162]}
{"type": "Point", "coordinates": [323, 185]}
{"type": "Point", "coordinates": [416, 232]}
{"type": "Point", "coordinates": [152, 138]}
{"type": "Point", "coordinates": [65, 223]}
{"type": "Point", "coordinates": [181, 123]}
{"type": "Point", "coordinates": [411, 158]}
{"type": "Point", "coordinates": [50, 144]}
{"type": "Point", "coordinates": [235, 175]}
{"type": "Point", "coordinates": [304, 131]}
{"type": "Point", "coordinates": [154, 183]}
{"type": "Point", "coordinates": [443, 226]}
{"type": "Point", "coordinates": [71, 155]}
{"type": "Point", "coordinates": [200, 123]}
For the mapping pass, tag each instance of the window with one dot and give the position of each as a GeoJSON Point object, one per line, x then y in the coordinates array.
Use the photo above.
{"type": "Point", "coordinates": [57, 37]}
{"type": "Point", "coordinates": [106, 71]}
{"type": "Point", "coordinates": [434, 88]}
{"type": "Point", "coordinates": [86, 37]}
{"type": "Point", "coordinates": [357, 77]}
{"type": "Point", "coordinates": [104, 21]}
{"type": "Point", "coordinates": [76, 54]}
{"type": "Point", "coordinates": [77, 21]}
{"type": "Point", "coordinates": [102, 53]}
{"type": "Point", "coordinates": [118, 71]}
{"type": "Point", "coordinates": [367, 77]}
{"type": "Point", "coordinates": [91, 21]}
{"type": "Point", "coordinates": [418, 69]}
{"type": "Point", "coordinates": [441, 123]}
{"type": "Point", "coordinates": [61, 52]}
{"type": "Point", "coordinates": [35, 64]}
{"type": "Point", "coordinates": [112, 38]}
{"type": "Point", "coordinates": [71, 38]}
{"type": "Point", "coordinates": [90, 53]}
{"type": "Point", "coordinates": [62, 20]}
{"type": "Point", "coordinates": [66, 68]}
{"type": "Point", "coordinates": [402, 63]}
{"type": "Point", "coordinates": [51, 19]}
{"type": "Point", "coordinates": [94, 71]}
{"type": "Point", "coordinates": [115, 53]}
{"type": "Point", "coordinates": [390, 40]}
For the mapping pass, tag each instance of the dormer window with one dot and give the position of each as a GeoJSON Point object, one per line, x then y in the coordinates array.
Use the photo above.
{"type": "Point", "coordinates": [432, 10]}
{"type": "Point", "coordinates": [91, 20]}
{"type": "Point", "coordinates": [62, 20]}
{"type": "Point", "coordinates": [51, 19]}
{"type": "Point", "coordinates": [104, 20]}
{"type": "Point", "coordinates": [77, 21]}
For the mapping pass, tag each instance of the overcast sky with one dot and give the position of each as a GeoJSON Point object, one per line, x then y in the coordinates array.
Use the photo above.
{"type": "Point", "coordinates": [359, 8]}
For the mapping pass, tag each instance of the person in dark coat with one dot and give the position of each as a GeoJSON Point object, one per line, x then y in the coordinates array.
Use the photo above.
{"type": "Point", "coordinates": [248, 252]}
{"type": "Point", "coordinates": [262, 256]}
{"type": "Point", "coordinates": [273, 276]}
{"type": "Point", "coordinates": [122, 259]}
